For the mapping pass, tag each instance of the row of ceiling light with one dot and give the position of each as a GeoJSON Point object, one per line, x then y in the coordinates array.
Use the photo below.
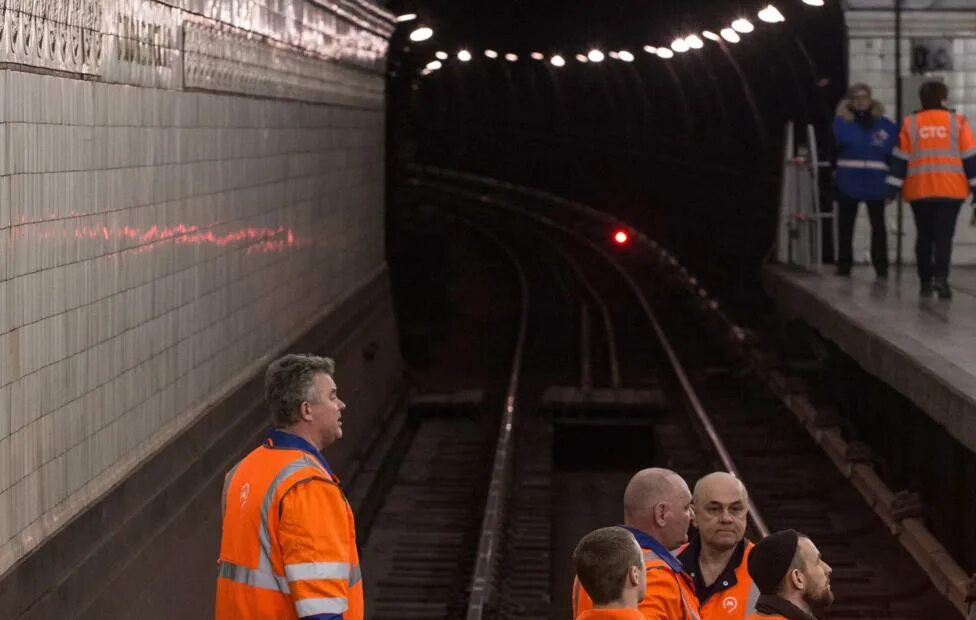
{"type": "Point", "coordinates": [770, 14]}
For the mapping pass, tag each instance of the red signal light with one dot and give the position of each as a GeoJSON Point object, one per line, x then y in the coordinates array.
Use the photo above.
{"type": "Point", "coordinates": [620, 237]}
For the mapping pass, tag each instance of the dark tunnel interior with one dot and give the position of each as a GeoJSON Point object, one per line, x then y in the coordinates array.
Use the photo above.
{"type": "Point", "coordinates": [687, 149]}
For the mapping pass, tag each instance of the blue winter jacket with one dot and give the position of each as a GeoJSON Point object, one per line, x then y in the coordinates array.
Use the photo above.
{"type": "Point", "coordinates": [862, 153]}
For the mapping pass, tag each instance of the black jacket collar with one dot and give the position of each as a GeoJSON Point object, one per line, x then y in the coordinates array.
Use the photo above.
{"type": "Point", "coordinates": [726, 579]}
{"type": "Point", "coordinates": [771, 604]}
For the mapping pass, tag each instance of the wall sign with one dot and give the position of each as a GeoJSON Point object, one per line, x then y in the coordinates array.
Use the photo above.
{"type": "Point", "coordinates": [931, 55]}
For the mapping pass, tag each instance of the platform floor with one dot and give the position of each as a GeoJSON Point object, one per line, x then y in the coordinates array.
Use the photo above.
{"type": "Point", "coordinates": [925, 349]}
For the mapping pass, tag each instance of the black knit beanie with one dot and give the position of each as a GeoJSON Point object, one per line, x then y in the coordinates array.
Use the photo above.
{"type": "Point", "coordinates": [771, 559]}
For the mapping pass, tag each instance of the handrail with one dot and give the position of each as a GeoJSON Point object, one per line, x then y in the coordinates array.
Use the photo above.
{"type": "Point", "coordinates": [689, 390]}
{"type": "Point", "coordinates": [489, 536]}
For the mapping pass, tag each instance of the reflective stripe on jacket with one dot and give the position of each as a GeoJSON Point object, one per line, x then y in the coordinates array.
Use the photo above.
{"type": "Point", "coordinates": [935, 158]}
{"type": "Point", "coordinates": [670, 594]}
{"type": "Point", "coordinates": [288, 545]}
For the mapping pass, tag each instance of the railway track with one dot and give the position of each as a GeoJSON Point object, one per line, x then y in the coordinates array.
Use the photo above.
{"type": "Point", "coordinates": [491, 538]}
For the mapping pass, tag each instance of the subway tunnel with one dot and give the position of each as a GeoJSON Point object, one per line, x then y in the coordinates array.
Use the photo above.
{"type": "Point", "coordinates": [536, 277]}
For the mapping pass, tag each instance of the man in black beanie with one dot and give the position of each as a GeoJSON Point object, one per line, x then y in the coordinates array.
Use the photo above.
{"type": "Point", "coordinates": [793, 580]}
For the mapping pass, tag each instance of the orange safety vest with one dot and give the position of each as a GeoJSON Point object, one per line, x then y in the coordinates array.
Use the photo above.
{"type": "Point", "coordinates": [670, 595]}
{"type": "Point", "coordinates": [288, 546]}
{"type": "Point", "coordinates": [933, 144]}
{"type": "Point", "coordinates": [737, 601]}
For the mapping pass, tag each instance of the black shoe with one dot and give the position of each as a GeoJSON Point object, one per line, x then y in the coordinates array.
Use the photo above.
{"type": "Point", "coordinates": [941, 286]}
{"type": "Point", "coordinates": [926, 289]}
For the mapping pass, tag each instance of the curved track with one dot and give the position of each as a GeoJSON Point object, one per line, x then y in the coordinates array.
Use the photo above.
{"type": "Point", "coordinates": [554, 471]}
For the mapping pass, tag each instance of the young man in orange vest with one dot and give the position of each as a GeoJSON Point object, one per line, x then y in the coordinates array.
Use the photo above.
{"type": "Point", "coordinates": [793, 579]}
{"type": "Point", "coordinates": [609, 564]}
{"type": "Point", "coordinates": [657, 512]}
{"type": "Point", "coordinates": [716, 558]}
{"type": "Point", "coordinates": [934, 166]}
{"type": "Point", "coordinates": [288, 547]}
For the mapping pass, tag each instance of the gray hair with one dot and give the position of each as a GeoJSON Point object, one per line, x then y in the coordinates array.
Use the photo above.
{"type": "Point", "coordinates": [289, 382]}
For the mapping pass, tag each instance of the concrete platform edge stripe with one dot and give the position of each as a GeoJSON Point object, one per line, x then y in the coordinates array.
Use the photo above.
{"type": "Point", "coordinates": [329, 605]}
{"type": "Point", "coordinates": [317, 570]}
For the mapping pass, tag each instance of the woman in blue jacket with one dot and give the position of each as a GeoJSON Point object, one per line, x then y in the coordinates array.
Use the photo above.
{"type": "Point", "coordinates": [864, 138]}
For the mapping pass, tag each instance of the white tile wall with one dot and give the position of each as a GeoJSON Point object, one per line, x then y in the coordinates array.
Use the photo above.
{"type": "Point", "coordinates": [872, 60]}
{"type": "Point", "coordinates": [153, 244]}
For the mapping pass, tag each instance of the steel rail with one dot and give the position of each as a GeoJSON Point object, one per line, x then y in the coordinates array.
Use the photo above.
{"type": "Point", "coordinates": [482, 586]}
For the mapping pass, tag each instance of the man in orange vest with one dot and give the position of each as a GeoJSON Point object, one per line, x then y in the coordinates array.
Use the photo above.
{"type": "Point", "coordinates": [609, 564]}
{"type": "Point", "coordinates": [657, 512]}
{"type": "Point", "coordinates": [934, 166]}
{"type": "Point", "coordinates": [793, 579]}
{"type": "Point", "coordinates": [716, 558]}
{"type": "Point", "coordinates": [288, 547]}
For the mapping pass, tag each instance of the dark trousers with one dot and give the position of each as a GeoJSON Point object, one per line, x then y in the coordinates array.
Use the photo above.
{"type": "Point", "coordinates": [935, 221]}
{"type": "Point", "coordinates": [846, 214]}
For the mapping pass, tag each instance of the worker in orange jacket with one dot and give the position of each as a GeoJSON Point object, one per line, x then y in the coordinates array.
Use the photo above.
{"type": "Point", "coordinates": [793, 579]}
{"type": "Point", "coordinates": [609, 564]}
{"type": "Point", "coordinates": [657, 512]}
{"type": "Point", "coordinates": [716, 558]}
{"type": "Point", "coordinates": [934, 167]}
{"type": "Point", "coordinates": [288, 546]}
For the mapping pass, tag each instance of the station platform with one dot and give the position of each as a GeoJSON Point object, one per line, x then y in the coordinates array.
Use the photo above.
{"type": "Point", "coordinates": [922, 348]}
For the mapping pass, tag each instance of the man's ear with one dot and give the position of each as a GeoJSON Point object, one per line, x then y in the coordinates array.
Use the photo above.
{"type": "Point", "coordinates": [633, 577]}
{"type": "Point", "coordinates": [796, 578]}
{"type": "Point", "coordinates": [659, 511]}
{"type": "Point", "coordinates": [304, 411]}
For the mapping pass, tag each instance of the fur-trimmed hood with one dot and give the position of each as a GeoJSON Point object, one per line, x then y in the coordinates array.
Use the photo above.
{"type": "Point", "coordinates": [844, 109]}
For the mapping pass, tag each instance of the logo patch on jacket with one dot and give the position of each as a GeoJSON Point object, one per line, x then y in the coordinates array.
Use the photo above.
{"type": "Point", "coordinates": [879, 138]}
{"type": "Point", "coordinates": [730, 603]}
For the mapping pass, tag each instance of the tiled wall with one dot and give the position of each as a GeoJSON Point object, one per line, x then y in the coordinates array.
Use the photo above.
{"type": "Point", "coordinates": [872, 60]}
{"type": "Point", "coordinates": [154, 245]}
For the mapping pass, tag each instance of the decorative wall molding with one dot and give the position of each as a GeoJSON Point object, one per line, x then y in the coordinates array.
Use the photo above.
{"type": "Point", "coordinates": [323, 51]}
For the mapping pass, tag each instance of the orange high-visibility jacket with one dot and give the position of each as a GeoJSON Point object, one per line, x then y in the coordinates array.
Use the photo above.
{"type": "Point", "coordinates": [757, 616]}
{"type": "Point", "coordinates": [734, 598]}
{"type": "Point", "coordinates": [288, 547]}
{"type": "Point", "coordinates": [670, 593]}
{"type": "Point", "coordinates": [935, 158]}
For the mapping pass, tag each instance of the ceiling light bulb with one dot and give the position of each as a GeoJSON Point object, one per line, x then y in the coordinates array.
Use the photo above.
{"type": "Point", "coordinates": [771, 15]}
{"type": "Point", "coordinates": [421, 34]}
{"type": "Point", "coordinates": [595, 56]}
{"type": "Point", "coordinates": [406, 17]}
{"type": "Point", "coordinates": [582, 58]}
{"type": "Point", "coordinates": [557, 61]}
{"type": "Point", "coordinates": [711, 36]}
{"type": "Point", "coordinates": [491, 53]}
{"type": "Point", "coordinates": [537, 55]}
{"type": "Point", "coordinates": [510, 57]}
{"type": "Point", "coordinates": [664, 52]}
{"type": "Point", "coordinates": [679, 46]}
{"type": "Point", "coordinates": [441, 55]}
{"type": "Point", "coordinates": [694, 42]}
{"type": "Point", "coordinates": [464, 55]}
{"type": "Point", "coordinates": [814, 2]}
{"type": "Point", "coordinates": [743, 25]}
{"type": "Point", "coordinates": [434, 65]}
{"type": "Point", "coordinates": [730, 35]}
{"type": "Point", "coordinates": [650, 49]}
{"type": "Point", "coordinates": [625, 56]}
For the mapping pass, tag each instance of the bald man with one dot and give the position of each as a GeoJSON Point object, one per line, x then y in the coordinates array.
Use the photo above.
{"type": "Point", "coordinates": [717, 558]}
{"type": "Point", "coordinates": [657, 512]}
